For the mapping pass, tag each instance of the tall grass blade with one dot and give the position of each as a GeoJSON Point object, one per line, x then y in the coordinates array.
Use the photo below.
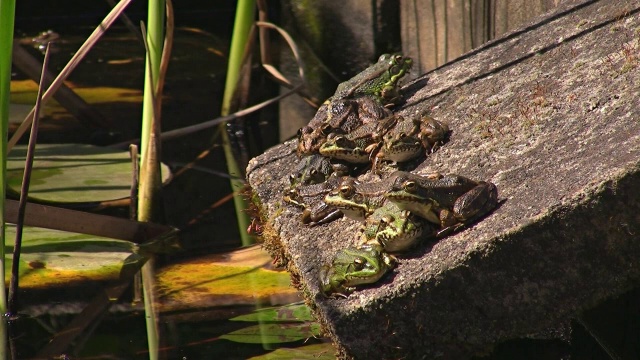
{"type": "Point", "coordinates": [7, 14]}
{"type": "Point", "coordinates": [154, 42]}
{"type": "Point", "coordinates": [242, 28]}
{"type": "Point", "coordinates": [158, 55]}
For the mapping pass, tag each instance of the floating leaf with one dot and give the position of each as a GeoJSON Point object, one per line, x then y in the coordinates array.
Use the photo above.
{"type": "Point", "coordinates": [71, 173]}
{"type": "Point", "coordinates": [289, 312]}
{"type": "Point", "coordinates": [274, 333]}
{"type": "Point", "coordinates": [238, 277]}
{"type": "Point", "coordinates": [52, 258]}
{"type": "Point", "coordinates": [324, 351]}
{"type": "Point", "coordinates": [25, 92]}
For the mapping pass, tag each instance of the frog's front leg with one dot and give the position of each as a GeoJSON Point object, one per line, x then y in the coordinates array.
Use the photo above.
{"type": "Point", "coordinates": [470, 206]}
{"type": "Point", "coordinates": [319, 214]}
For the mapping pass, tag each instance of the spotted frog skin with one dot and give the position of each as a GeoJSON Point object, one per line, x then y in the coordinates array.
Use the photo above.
{"type": "Point", "coordinates": [396, 139]}
{"type": "Point", "coordinates": [380, 79]}
{"type": "Point", "coordinates": [359, 145]}
{"type": "Point", "coordinates": [411, 137]}
{"type": "Point", "coordinates": [394, 229]}
{"type": "Point", "coordinates": [450, 201]}
{"type": "Point", "coordinates": [358, 200]}
{"type": "Point", "coordinates": [360, 100]}
{"type": "Point", "coordinates": [354, 266]}
{"type": "Point", "coordinates": [311, 199]}
{"type": "Point", "coordinates": [315, 169]}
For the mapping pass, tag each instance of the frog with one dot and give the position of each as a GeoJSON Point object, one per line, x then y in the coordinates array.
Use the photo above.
{"type": "Point", "coordinates": [411, 137]}
{"type": "Point", "coordinates": [340, 116]}
{"type": "Point", "coordinates": [357, 200]}
{"type": "Point", "coordinates": [352, 266]}
{"type": "Point", "coordinates": [396, 230]}
{"type": "Point", "coordinates": [310, 199]}
{"type": "Point", "coordinates": [450, 201]}
{"type": "Point", "coordinates": [359, 145]}
{"type": "Point", "coordinates": [433, 133]}
{"type": "Point", "coordinates": [315, 169]}
{"type": "Point", "coordinates": [380, 79]}
{"type": "Point", "coordinates": [362, 99]}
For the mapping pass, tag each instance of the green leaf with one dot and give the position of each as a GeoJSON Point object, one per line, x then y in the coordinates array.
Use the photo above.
{"type": "Point", "coordinates": [289, 313]}
{"type": "Point", "coordinates": [324, 351]}
{"type": "Point", "coordinates": [242, 276]}
{"type": "Point", "coordinates": [71, 173]}
{"type": "Point", "coordinates": [50, 257]}
{"type": "Point", "coordinates": [274, 333]}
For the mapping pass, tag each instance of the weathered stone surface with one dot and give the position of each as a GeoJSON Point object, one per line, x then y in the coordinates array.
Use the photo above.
{"type": "Point", "coordinates": [551, 114]}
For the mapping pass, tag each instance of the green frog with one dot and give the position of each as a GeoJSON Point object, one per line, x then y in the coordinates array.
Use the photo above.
{"type": "Point", "coordinates": [358, 200]}
{"type": "Point", "coordinates": [315, 169]}
{"type": "Point", "coordinates": [311, 199]}
{"type": "Point", "coordinates": [358, 145]}
{"type": "Point", "coordinates": [450, 201]}
{"type": "Point", "coordinates": [359, 100]}
{"type": "Point", "coordinates": [411, 137]}
{"type": "Point", "coordinates": [354, 266]}
{"type": "Point", "coordinates": [396, 230]}
{"type": "Point", "coordinates": [380, 80]}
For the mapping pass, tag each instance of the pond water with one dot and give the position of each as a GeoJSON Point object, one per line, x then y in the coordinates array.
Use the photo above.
{"type": "Point", "coordinates": [212, 298]}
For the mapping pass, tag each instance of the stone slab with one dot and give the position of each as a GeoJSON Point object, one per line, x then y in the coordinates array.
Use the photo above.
{"type": "Point", "coordinates": [549, 113]}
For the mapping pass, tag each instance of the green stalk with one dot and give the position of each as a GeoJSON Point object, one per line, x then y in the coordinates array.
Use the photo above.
{"type": "Point", "coordinates": [155, 39]}
{"type": "Point", "coordinates": [158, 55]}
{"type": "Point", "coordinates": [7, 14]}
{"type": "Point", "coordinates": [241, 29]}
{"type": "Point", "coordinates": [150, 168]}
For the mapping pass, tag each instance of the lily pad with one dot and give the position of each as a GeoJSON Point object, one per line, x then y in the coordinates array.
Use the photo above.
{"type": "Point", "coordinates": [280, 324]}
{"type": "Point", "coordinates": [72, 173]}
{"type": "Point", "coordinates": [274, 333]}
{"type": "Point", "coordinates": [26, 91]}
{"type": "Point", "coordinates": [290, 312]}
{"type": "Point", "coordinates": [240, 277]}
{"type": "Point", "coordinates": [52, 258]}
{"type": "Point", "coordinates": [323, 351]}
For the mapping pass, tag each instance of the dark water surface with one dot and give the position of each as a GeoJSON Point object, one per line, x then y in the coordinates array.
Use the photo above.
{"type": "Point", "coordinates": [193, 92]}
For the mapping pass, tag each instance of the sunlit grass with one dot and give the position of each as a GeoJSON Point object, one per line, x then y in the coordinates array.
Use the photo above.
{"type": "Point", "coordinates": [7, 14]}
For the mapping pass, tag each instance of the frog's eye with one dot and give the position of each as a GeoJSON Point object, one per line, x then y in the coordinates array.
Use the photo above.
{"type": "Point", "coordinates": [341, 141]}
{"type": "Point", "coordinates": [325, 129]}
{"type": "Point", "coordinates": [359, 263]}
{"type": "Point", "coordinates": [346, 191]}
{"type": "Point", "coordinates": [395, 70]}
{"type": "Point", "coordinates": [410, 186]}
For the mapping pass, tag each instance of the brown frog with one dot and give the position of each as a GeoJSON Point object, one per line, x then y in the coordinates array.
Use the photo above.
{"type": "Point", "coordinates": [359, 100]}
{"type": "Point", "coordinates": [311, 199]}
{"type": "Point", "coordinates": [450, 201]}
